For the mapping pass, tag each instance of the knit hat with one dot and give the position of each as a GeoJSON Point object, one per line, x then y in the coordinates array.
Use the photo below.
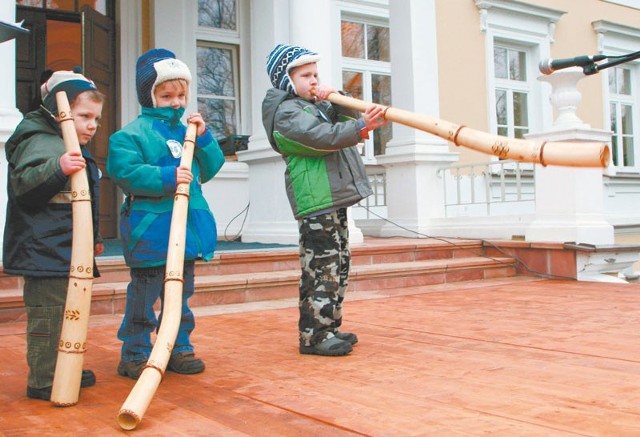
{"type": "Point", "coordinates": [153, 68]}
{"type": "Point", "coordinates": [72, 82]}
{"type": "Point", "coordinates": [282, 59]}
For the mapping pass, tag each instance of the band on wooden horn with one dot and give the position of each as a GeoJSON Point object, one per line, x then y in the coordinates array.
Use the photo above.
{"type": "Point", "coordinates": [136, 404]}
{"type": "Point", "coordinates": [73, 336]}
{"type": "Point", "coordinates": [560, 153]}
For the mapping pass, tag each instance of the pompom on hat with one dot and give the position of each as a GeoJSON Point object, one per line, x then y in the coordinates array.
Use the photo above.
{"type": "Point", "coordinates": [153, 68]}
{"type": "Point", "coordinates": [72, 82]}
{"type": "Point", "coordinates": [282, 59]}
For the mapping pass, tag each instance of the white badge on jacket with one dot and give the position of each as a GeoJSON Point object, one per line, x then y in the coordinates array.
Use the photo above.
{"type": "Point", "coordinates": [175, 147]}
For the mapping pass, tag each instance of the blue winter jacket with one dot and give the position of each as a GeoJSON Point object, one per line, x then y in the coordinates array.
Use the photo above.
{"type": "Point", "coordinates": [142, 161]}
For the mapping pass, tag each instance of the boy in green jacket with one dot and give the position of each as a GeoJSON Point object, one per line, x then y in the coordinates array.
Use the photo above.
{"type": "Point", "coordinates": [39, 227]}
{"type": "Point", "coordinates": [324, 176]}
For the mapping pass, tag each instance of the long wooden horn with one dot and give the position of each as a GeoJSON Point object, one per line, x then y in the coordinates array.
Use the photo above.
{"type": "Point", "coordinates": [562, 153]}
{"type": "Point", "coordinates": [138, 401]}
{"type": "Point", "coordinates": [73, 336]}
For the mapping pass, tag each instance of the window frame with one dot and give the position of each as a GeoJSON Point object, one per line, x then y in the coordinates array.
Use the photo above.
{"type": "Point", "coordinates": [525, 27]}
{"type": "Point", "coordinates": [616, 39]}
{"type": "Point", "coordinates": [366, 67]}
{"type": "Point", "coordinates": [235, 40]}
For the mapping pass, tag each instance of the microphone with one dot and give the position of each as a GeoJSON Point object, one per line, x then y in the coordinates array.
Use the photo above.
{"type": "Point", "coordinates": [548, 66]}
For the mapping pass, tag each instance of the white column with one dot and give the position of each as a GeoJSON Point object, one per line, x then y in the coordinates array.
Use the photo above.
{"type": "Point", "coordinates": [10, 116]}
{"type": "Point", "coordinates": [287, 22]}
{"type": "Point", "coordinates": [270, 219]}
{"type": "Point", "coordinates": [415, 194]}
{"type": "Point", "coordinates": [569, 201]}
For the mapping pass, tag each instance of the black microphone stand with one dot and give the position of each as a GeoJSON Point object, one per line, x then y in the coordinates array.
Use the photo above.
{"type": "Point", "coordinates": [593, 68]}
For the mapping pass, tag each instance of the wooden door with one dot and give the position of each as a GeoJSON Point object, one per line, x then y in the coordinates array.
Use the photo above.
{"type": "Point", "coordinates": [30, 58]}
{"type": "Point", "coordinates": [35, 54]}
{"type": "Point", "coordinates": [99, 65]}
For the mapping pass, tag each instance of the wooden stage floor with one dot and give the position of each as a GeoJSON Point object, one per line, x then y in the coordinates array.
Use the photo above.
{"type": "Point", "coordinates": [506, 357]}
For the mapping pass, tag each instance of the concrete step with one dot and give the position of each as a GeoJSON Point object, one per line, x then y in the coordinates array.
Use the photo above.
{"type": "Point", "coordinates": [238, 277]}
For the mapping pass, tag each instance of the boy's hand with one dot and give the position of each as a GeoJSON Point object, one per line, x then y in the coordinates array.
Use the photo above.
{"type": "Point", "coordinates": [99, 249]}
{"type": "Point", "coordinates": [374, 116]}
{"type": "Point", "coordinates": [321, 92]}
{"type": "Point", "coordinates": [183, 176]}
{"type": "Point", "coordinates": [199, 121]}
{"type": "Point", "coordinates": [71, 162]}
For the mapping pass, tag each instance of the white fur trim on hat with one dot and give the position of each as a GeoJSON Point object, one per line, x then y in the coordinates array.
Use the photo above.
{"type": "Point", "coordinates": [303, 60]}
{"type": "Point", "coordinates": [170, 69]}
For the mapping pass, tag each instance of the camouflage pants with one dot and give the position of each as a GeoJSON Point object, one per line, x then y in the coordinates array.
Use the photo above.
{"type": "Point", "coordinates": [324, 259]}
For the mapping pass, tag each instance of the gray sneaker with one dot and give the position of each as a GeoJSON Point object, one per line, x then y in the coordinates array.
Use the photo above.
{"type": "Point", "coordinates": [185, 363]}
{"type": "Point", "coordinates": [346, 336]}
{"type": "Point", "coordinates": [131, 369]}
{"type": "Point", "coordinates": [333, 347]}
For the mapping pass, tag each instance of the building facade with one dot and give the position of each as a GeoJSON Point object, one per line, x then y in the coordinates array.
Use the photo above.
{"type": "Point", "coordinates": [471, 62]}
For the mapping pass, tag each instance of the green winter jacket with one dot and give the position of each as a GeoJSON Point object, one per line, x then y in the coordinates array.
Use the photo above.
{"type": "Point", "coordinates": [318, 143]}
{"type": "Point", "coordinates": [38, 229]}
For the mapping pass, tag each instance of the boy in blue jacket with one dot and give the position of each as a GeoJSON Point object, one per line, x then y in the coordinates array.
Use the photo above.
{"type": "Point", "coordinates": [144, 159]}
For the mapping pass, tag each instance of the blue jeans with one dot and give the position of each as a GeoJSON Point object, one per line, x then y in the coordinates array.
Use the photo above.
{"type": "Point", "coordinates": [146, 286]}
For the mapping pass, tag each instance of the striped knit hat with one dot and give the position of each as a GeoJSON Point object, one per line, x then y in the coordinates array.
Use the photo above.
{"type": "Point", "coordinates": [153, 68]}
{"type": "Point", "coordinates": [282, 59]}
{"type": "Point", "coordinates": [72, 82]}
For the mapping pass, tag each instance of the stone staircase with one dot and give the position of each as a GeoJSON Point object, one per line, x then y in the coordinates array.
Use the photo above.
{"type": "Point", "coordinates": [249, 276]}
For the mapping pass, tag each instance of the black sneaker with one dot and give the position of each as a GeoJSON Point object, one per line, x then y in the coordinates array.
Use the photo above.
{"type": "Point", "coordinates": [131, 369]}
{"type": "Point", "coordinates": [333, 347]}
{"type": "Point", "coordinates": [185, 363]}
{"type": "Point", "coordinates": [349, 337]}
{"type": "Point", "coordinates": [88, 380]}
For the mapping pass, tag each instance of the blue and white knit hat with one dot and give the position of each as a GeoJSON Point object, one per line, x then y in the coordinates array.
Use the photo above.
{"type": "Point", "coordinates": [153, 68]}
{"type": "Point", "coordinates": [282, 59]}
{"type": "Point", "coordinates": [72, 82]}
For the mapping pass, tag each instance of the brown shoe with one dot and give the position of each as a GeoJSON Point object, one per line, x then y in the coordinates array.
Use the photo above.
{"type": "Point", "coordinates": [185, 363]}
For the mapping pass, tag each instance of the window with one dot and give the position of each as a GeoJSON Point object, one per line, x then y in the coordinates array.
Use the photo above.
{"type": "Point", "coordinates": [621, 86]}
{"type": "Point", "coordinates": [217, 56]}
{"type": "Point", "coordinates": [217, 93]}
{"type": "Point", "coordinates": [621, 114]}
{"type": "Point", "coordinates": [518, 35]}
{"type": "Point", "coordinates": [217, 14]}
{"type": "Point", "coordinates": [511, 92]}
{"type": "Point", "coordinates": [366, 72]}
{"type": "Point", "coordinates": [102, 6]}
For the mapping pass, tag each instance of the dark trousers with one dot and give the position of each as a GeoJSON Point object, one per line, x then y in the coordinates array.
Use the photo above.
{"type": "Point", "coordinates": [44, 300]}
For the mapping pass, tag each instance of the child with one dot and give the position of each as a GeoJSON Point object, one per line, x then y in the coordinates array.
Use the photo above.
{"type": "Point", "coordinates": [38, 230]}
{"type": "Point", "coordinates": [324, 176]}
{"type": "Point", "coordinates": [144, 160]}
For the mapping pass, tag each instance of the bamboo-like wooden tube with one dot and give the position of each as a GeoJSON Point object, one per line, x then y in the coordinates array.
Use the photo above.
{"type": "Point", "coordinates": [73, 336]}
{"type": "Point", "coordinates": [561, 153]}
{"type": "Point", "coordinates": [138, 401]}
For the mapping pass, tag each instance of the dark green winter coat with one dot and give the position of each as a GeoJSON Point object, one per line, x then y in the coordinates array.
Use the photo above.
{"type": "Point", "coordinates": [38, 228]}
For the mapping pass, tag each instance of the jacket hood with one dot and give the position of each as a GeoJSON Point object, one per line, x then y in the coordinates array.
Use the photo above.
{"type": "Point", "coordinates": [36, 122]}
{"type": "Point", "coordinates": [270, 104]}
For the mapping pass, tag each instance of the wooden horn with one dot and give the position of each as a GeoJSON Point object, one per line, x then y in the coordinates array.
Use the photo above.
{"type": "Point", "coordinates": [73, 336]}
{"type": "Point", "coordinates": [561, 153]}
{"type": "Point", "coordinates": [138, 401]}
